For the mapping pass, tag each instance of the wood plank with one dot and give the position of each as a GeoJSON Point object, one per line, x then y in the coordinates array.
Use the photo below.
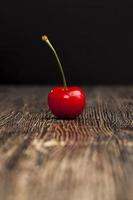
{"type": "Point", "coordinates": [42, 157]}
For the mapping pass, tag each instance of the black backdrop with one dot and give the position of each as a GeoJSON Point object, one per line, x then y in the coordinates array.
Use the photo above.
{"type": "Point", "coordinates": [94, 39]}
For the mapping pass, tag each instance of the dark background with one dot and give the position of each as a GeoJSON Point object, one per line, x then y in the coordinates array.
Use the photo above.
{"type": "Point", "coordinates": [93, 38]}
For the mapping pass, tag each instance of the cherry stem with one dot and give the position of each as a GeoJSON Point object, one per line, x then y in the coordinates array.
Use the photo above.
{"type": "Point", "coordinates": [45, 39]}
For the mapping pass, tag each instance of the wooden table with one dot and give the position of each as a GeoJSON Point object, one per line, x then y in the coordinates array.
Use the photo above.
{"type": "Point", "coordinates": [43, 158]}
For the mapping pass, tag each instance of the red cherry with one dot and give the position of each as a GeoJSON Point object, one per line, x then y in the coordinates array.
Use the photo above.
{"type": "Point", "coordinates": [66, 103]}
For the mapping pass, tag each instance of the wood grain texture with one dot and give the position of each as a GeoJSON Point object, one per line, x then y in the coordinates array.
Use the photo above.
{"type": "Point", "coordinates": [42, 157]}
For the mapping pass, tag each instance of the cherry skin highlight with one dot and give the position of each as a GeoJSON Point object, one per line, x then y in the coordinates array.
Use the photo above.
{"type": "Point", "coordinates": [66, 103]}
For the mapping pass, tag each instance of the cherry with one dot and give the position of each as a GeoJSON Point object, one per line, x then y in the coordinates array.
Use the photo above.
{"type": "Point", "coordinates": [65, 102]}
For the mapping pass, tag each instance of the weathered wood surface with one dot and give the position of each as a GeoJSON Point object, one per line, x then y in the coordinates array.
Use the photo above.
{"type": "Point", "coordinates": [44, 158]}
